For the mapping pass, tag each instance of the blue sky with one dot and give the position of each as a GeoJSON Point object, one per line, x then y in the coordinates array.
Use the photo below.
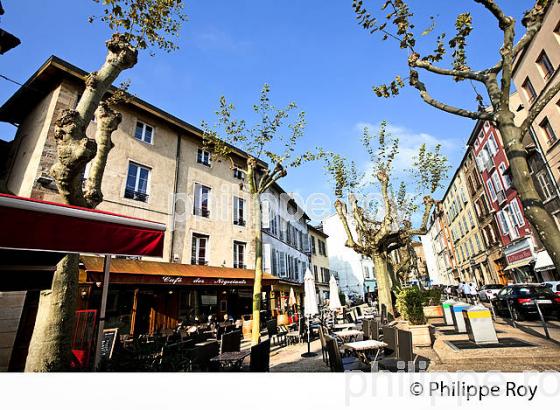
{"type": "Point", "coordinates": [311, 52]}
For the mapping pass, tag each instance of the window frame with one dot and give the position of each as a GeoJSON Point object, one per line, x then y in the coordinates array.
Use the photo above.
{"type": "Point", "coordinates": [137, 180]}
{"type": "Point", "coordinates": [200, 157]}
{"type": "Point", "coordinates": [143, 137]}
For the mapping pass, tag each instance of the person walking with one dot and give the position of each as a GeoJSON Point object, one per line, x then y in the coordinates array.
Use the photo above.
{"type": "Point", "coordinates": [473, 293]}
{"type": "Point", "coordinates": [461, 290]}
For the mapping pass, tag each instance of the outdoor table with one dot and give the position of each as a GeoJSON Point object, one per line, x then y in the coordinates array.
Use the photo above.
{"type": "Point", "coordinates": [231, 359]}
{"type": "Point", "coordinates": [206, 343]}
{"type": "Point", "coordinates": [342, 326]}
{"type": "Point", "coordinates": [348, 334]}
{"type": "Point", "coordinates": [361, 349]}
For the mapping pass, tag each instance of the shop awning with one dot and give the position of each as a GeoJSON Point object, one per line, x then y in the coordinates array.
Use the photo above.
{"type": "Point", "coordinates": [140, 272]}
{"type": "Point", "coordinates": [544, 262]}
{"type": "Point", "coordinates": [519, 264]}
{"type": "Point", "coordinates": [29, 224]}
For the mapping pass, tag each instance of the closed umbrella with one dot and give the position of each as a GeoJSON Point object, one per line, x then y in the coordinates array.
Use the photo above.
{"type": "Point", "coordinates": [334, 298]}
{"type": "Point", "coordinates": [292, 299]}
{"type": "Point", "coordinates": [310, 307]}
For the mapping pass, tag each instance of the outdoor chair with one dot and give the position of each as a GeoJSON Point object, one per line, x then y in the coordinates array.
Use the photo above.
{"type": "Point", "coordinates": [203, 354]}
{"type": "Point", "coordinates": [374, 332]}
{"type": "Point", "coordinates": [260, 357]}
{"type": "Point", "coordinates": [273, 334]}
{"type": "Point", "coordinates": [231, 342]}
{"type": "Point", "coordinates": [336, 362]}
{"type": "Point", "coordinates": [322, 333]}
{"type": "Point", "coordinates": [390, 338]}
{"type": "Point", "coordinates": [404, 355]}
{"type": "Point", "coordinates": [366, 329]}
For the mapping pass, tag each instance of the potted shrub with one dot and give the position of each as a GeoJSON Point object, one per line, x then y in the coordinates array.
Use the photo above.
{"type": "Point", "coordinates": [432, 303]}
{"type": "Point", "coordinates": [410, 305]}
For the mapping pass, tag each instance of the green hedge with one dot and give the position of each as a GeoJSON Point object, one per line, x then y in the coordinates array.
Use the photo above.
{"type": "Point", "coordinates": [431, 297]}
{"type": "Point", "coordinates": [410, 304]}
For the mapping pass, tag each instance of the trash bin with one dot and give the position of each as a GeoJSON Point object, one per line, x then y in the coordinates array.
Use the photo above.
{"type": "Point", "coordinates": [458, 319]}
{"type": "Point", "coordinates": [448, 311]}
{"type": "Point", "coordinates": [479, 324]}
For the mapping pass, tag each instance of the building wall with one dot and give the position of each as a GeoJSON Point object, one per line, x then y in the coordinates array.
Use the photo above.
{"type": "Point", "coordinates": [320, 262]}
{"type": "Point", "coordinates": [284, 255]}
{"type": "Point", "coordinates": [464, 229]}
{"type": "Point", "coordinates": [547, 40]}
{"type": "Point", "coordinates": [37, 152]}
{"type": "Point", "coordinates": [431, 261]}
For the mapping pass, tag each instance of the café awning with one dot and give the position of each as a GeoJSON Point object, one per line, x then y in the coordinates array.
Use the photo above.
{"type": "Point", "coordinates": [141, 272]}
{"type": "Point", "coordinates": [544, 262]}
{"type": "Point", "coordinates": [30, 224]}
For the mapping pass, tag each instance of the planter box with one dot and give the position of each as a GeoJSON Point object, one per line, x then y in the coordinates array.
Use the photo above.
{"type": "Point", "coordinates": [432, 311]}
{"type": "Point", "coordinates": [421, 335]}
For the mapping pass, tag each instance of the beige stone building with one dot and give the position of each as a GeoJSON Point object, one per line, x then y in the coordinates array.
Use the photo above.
{"type": "Point", "coordinates": [320, 261]}
{"type": "Point", "coordinates": [470, 255]}
{"type": "Point", "coordinates": [156, 171]}
{"type": "Point", "coordinates": [535, 71]}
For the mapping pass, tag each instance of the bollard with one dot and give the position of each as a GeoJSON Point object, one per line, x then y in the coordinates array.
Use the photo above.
{"type": "Point", "coordinates": [542, 319]}
{"type": "Point", "coordinates": [479, 325]}
{"type": "Point", "coordinates": [448, 311]}
{"type": "Point", "coordinates": [458, 319]}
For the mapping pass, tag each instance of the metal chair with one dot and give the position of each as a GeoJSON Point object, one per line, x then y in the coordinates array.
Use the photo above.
{"type": "Point", "coordinates": [260, 357]}
{"type": "Point", "coordinates": [231, 342]}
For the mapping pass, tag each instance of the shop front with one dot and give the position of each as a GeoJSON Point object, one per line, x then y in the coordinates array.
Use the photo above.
{"type": "Point", "coordinates": [280, 303]}
{"type": "Point", "coordinates": [149, 297]}
{"type": "Point", "coordinates": [520, 260]}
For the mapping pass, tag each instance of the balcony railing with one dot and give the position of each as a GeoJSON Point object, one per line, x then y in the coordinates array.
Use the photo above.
{"type": "Point", "coordinates": [240, 222]}
{"type": "Point", "coordinates": [204, 212]}
{"type": "Point", "coordinates": [488, 165]}
{"type": "Point", "coordinates": [199, 261]}
{"type": "Point", "coordinates": [239, 266]}
{"type": "Point", "coordinates": [136, 195]}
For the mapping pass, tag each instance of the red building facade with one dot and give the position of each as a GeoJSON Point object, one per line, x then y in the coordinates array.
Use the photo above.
{"type": "Point", "coordinates": [516, 235]}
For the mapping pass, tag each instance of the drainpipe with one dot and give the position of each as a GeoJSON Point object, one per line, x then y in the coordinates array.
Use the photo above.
{"type": "Point", "coordinates": [175, 188]}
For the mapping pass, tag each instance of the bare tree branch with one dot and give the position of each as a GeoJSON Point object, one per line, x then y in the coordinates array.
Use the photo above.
{"type": "Point", "coordinates": [421, 87]}
{"type": "Point", "coordinates": [540, 103]}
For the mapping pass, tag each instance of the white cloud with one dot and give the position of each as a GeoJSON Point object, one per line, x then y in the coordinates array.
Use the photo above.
{"type": "Point", "coordinates": [409, 143]}
{"type": "Point", "coordinates": [216, 39]}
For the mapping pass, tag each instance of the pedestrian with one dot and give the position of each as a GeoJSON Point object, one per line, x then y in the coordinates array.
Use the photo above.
{"type": "Point", "coordinates": [473, 293]}
{"type": "Point", "coordinates": [461, 290]}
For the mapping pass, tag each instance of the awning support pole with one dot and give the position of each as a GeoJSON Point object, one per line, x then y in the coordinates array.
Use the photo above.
{"type": "Point", "coordinates": [104, 294]}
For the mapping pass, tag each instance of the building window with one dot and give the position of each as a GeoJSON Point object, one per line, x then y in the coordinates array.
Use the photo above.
{"type": "Point", "coordinates": [530, 92]}
{"type": "Point", "coordinates": [548, 131]}
{"type": "Point", "coordinates": [137, 182]}
{"type": "Point", "coordinates": [546, 66]}
{"type": "Point", "coordinates": [239, 255]}
{"type": "Point", "coordinates": [144, 132]}
{"type": "Point", "coordinates": [517, 214]}
{"type": "Point", "coordinates": [492, 146]}
{"type": "Point", "coordinates": [503, 222]}
{"type": "Point", "coordinates": [239, 174]}
{"type": "Point", "coordinates": [313, 246]}
{"type": "Point", "coordinates": [203, 157]}
{"type": "Point", "coordinates": [505, 175]}
{"type": "Point", "coordinates": [491, 190]}
{"type": "Point", "coordinates": [201, 200]}
{"type": "Point", "coordinates": [239, 211]}
{"type": "Point", "coordinates": [546, 187]}
{"type": "Point", "coordinates": [199, 254]}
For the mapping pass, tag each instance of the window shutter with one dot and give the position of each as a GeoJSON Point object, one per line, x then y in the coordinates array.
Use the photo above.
{"type": "Point", "coordinates": [235, 209]}
{"type": "Point", "coordinates": [267, 256]}
{"type": "Point", "coordinates": [265, 211]}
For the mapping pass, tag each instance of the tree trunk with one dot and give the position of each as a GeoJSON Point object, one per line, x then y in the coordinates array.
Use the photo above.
{"type": "Point", "coordinates": [257, 286]}
{"type": "Point", "coordinates": [543, 222]}
{"type": "Point", "coordinates": [49, 349]}
{"type": "Point", "coordinates": [108, 121]}
{"type": "Point", "coordinates": [383, 283]}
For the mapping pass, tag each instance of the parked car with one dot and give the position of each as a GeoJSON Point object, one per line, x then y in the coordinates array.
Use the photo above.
{"type": "Point", "coordinates": [522, 298]}
{"type": "Point", "coordinates": [489, 292]}
{"type": "Point", "coordinates": [554, 286]}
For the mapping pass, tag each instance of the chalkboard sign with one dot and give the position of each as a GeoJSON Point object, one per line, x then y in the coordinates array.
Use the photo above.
{"type": "Point", "coordinates": [108, 343]}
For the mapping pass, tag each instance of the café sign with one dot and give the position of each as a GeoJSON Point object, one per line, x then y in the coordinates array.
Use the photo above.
{"type": "Point", "coordinates": [219, 281]}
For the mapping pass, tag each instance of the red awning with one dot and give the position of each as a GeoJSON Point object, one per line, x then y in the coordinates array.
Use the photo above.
{"type": "Point", "coordinates": [46, 226]}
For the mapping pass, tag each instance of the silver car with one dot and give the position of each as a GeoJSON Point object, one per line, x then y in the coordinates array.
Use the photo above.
{"type": "Point", "coordinates": [553, 286]}
{"type": "Point", "coordinates": [489, 292]}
